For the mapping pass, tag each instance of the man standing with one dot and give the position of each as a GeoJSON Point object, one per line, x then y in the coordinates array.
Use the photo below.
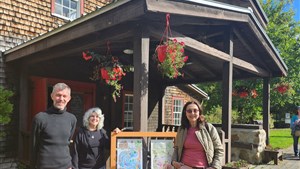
{"type": "Point", "coordinates": [52, 131]}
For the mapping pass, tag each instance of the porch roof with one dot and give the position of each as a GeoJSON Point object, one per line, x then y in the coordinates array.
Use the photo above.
{"type": "Point", "coordinates": [202, 25]}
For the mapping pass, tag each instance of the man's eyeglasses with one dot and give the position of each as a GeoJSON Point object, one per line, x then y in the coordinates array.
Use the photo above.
{"type": "Point", "coordinates": [192, 110]}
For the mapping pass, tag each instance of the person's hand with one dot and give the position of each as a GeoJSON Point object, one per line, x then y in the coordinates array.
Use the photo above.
{"type": "Point", "coordinates": [177, 164]}
{"type": "Point", "coordinates": [185, 167]}
{"type": "Point", "coordinates": [117, 130]}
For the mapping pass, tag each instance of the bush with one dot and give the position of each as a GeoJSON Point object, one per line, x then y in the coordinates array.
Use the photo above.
{"type": "Point", "coordinates": [6, 107]}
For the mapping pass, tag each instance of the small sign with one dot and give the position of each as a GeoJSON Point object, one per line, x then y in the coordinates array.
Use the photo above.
{"type": "Point", "coordinates": [287, 115]}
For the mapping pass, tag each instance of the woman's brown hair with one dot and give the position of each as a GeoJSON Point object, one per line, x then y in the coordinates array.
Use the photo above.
{"type": "Point", "coordinates": [184, 120]}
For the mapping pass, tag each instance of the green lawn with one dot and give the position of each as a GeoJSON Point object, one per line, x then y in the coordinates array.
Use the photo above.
{"type": "Point", "coordinates": [281, 138]}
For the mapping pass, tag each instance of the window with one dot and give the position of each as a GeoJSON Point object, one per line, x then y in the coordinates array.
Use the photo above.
{"type": "Point", "coordinates": [67, 9]}
{"type": "Point", "coordinates": [128, 111]}
{"type": "Point", "coordinates": [177, 110]}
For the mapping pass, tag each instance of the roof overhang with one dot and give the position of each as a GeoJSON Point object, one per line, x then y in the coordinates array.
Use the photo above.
{"type": "Point", "coordinates": [199, 24]}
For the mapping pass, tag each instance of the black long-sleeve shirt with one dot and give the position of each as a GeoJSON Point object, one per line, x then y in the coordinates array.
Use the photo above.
{"type": "Point", "coordinates": [51, 134]}
{"type": "Point", "coordinates": [89, 149]}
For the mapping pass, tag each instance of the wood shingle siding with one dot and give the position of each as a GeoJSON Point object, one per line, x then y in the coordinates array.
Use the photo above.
{"type": "Point", "coordinates": [21, 21]}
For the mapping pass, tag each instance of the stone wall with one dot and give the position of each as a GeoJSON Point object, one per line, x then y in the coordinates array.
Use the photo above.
{"type": "Point", "coordinates": [248, 144]}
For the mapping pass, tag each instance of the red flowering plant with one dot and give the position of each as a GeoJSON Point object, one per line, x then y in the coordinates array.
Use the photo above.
{"type": "Point", "coordinates": [170, 58]}
{"type": "Point", "coordinates": [243, 92]}
{"type": "Point", "coordinates": [282, 87]}
{"type": "Point", "coordinates": [108, 69]}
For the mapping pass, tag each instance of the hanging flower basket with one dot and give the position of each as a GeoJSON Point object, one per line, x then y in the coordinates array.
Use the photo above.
{"type": "Point", "coordinates": [171, 58]}
{"type": "Point", "coordinates": [161, 52]}
{"type": "Point", "coordinates": [244, 92]}
{"type": "Point", "coordinates": [108, 69]}
{"type": "Point", "coordinates": [282, 88]}
{"type": "Point", "coordinates": [170, 54]}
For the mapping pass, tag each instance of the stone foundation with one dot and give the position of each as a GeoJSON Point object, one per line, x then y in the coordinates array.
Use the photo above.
{"type": "Point", "coordinates": [248, 142]}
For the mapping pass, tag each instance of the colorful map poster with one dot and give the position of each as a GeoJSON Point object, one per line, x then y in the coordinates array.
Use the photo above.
{"type": "Point", "coordinates": [129, 154]}
{"type": "Point", "coordinates": [161, 153]}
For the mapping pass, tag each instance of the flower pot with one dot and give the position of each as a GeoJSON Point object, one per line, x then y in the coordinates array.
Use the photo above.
{"type": "Point", "coordinates": [161, 52]}
{"type": "Point", "coordinates": [243, 94]}
{"type": "Point", "coordinates": [104, 74]}
{"type": "Point", "coordinates": [282, 89]}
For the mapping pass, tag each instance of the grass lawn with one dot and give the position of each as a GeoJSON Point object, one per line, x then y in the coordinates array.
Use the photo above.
{"type": "Point", "coordinates": [281, 138]}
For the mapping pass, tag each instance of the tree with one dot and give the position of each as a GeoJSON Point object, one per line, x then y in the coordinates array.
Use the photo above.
{"type": "Point", "coordinates": [284, 32]}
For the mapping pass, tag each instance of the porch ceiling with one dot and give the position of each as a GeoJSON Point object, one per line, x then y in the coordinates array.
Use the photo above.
{"type": "Point", "coordinates": [201, 27]}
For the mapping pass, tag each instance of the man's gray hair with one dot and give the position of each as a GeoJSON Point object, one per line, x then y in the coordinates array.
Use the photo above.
{"type": "Point", "coordinates": [87, 115]}
{"type": "Point", "coordinates": [60, 86]}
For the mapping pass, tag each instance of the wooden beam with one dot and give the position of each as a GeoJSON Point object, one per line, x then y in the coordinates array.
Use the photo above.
{"type": "Point", "coordinates": [68, 33]}
{"type": "Point", "coordinates": [141, 80]}
{"type": "Point", "coordinates": [263, 40]}
{"type": "Point", "coordinates": [23, 105]}
{"type": "Point", "coordinates": [76, 48]}
{"type": "Point", "coordinates": [206, 51]}
{"type": "Point", "coordinates": [196, 10]}
{"type": "Point", "coordinates": [247, 46]}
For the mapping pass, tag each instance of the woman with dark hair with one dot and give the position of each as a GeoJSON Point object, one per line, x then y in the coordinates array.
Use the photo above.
{"type": "Point", "coordinates": [91, 141]}
{"type": "Point", "coordinates": [197, 144]}
{"type": "Point", "coordinates": [295, 121]}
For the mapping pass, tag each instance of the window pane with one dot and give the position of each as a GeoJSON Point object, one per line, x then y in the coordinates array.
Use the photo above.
{"type": "Point", "coordinates": [65, 12]}
{"type": "Point", "coordinates": [58, 1]}
{"type": "Point", "coordinates": [67, 8]}
{"type": "Point", "coordinates": [58, 9]}
{"type": "Point", "coordinates": [73, 5]}
{"type": "Point", "coordinates": [128, 111]}
{"type": "Point", "coordinates": [177, 110]}
{"type": "Point", "coordinates": [66, 3]}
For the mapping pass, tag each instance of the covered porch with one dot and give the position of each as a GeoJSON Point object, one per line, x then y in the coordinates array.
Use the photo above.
{"type": "Point", "coordinates": [224, 42]}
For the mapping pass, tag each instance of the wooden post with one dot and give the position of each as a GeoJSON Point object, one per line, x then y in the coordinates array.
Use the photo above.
{"type": "Point", "coordinates": [266, 108]}
{"type": "Point", "coordinates": [141, 81]}
{"type": "Point", "coordinates": [227, 93]}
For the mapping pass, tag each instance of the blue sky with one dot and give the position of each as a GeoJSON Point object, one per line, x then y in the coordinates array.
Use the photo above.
{"type": "Point", "coordinates": [297, 9]}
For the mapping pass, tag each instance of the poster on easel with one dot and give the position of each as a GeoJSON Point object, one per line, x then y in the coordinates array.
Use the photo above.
{"type": "Point", "coordinates": [161, 153]}
{"type": "Point", "coordinates": [129, 154]}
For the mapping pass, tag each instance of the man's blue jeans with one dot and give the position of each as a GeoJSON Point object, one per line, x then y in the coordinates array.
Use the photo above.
{"type": "Point", "coordinates": [296, 138]}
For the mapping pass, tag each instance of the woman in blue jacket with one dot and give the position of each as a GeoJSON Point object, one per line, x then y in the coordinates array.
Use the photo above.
{"type": "Point", "coordinates": [295, 121]}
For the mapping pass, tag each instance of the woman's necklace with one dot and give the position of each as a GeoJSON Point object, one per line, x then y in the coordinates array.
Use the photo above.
{"type": "Point", "coordinates": [91, 133]}
{"type": "Point", "coordinates": [92, 136]}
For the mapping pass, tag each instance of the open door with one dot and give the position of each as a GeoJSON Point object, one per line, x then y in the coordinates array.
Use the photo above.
{"type": "Point", "coordinates": [83, 97]}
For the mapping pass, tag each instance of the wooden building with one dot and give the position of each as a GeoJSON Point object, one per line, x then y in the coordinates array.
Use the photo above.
{"type": "Point", "coordinates": [225, 40]}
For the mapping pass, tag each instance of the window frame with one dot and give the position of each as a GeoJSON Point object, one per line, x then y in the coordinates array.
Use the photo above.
{"type": "Point", "coordinates": [179, 112]}
{"type": "Point", "coordinates": [126, 93]}
{"type": "Point", "coordinates": [79, 10]}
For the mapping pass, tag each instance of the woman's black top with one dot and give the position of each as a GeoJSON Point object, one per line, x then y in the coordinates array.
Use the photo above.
{"type": "Point", "coordinates": [89, 149]}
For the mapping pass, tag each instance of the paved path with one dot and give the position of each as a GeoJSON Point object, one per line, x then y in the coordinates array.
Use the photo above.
{"type": "Point", "coordinates": [289, 161]}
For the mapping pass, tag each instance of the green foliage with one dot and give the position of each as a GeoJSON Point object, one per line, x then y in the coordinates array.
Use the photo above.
{"type": "Point", "coordinates": [281, 138]}
{"type": "Point", "coordinates": [237, 164]}
{"type": "Point", "coordinates": [216, 116]}
{"type": "Point", "coordinates": [6, 107]}
{"type": "Point", "coordinates": [284, 32]}
{"type": "Point", "coordinates": [244, 110]}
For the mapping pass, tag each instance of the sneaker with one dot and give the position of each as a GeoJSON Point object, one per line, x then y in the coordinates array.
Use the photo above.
{"type": "Point", "coordinates": [296, 155]}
